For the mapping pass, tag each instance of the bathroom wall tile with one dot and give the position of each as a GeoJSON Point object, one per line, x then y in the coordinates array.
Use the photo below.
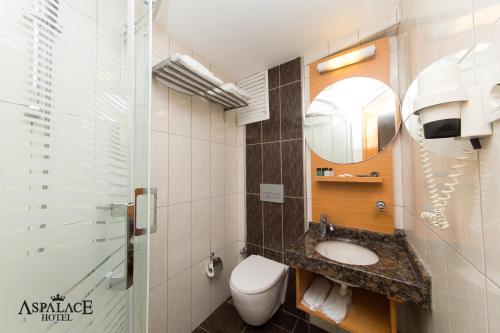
{"type": "Point", "coordinates": [217, 228]}
{"type": "Point", "coordinates": [179, 238]}
{"type": "Point", "coordinates": [179, 113]}
{"type": "Point", "coordinates": [436, 264]}
{"type": "Point", "coordinates": [200, 224]}
{"type": "Point", "coordinates": [271, 127]}
{"type": "Point", "coordinates": [218, 284]}
{"type": "Point", "coordinates": [179, 47]}
{"type": "Point", "coordinates": [273, 255]}
{"type": "Point", "coordinates": [158, 243]}
{"type": "Point", "coordinates": [240, 169]}
{"type": "Point", "coordinates": [490, 192]}
{"type": "Point", "coordinates": [253, 168]}
{"type": "Point", "coordinates": [290, 71]}
{"type": "Point", "coordinates": [231, 218]}
{"type": "Point", "coordinates": [293, 220]}
{"type": "Point", "coordinates": [217, 176]}
{"type": "Point", "coordinates": [200, 298]}
{"type": "Point", "coordinates": [179, 169]}
{"type": "Point", "coordinates": [293, 174]}
{"type": "Point", "coordinates": [158, 309]}
{"type": "Point", "coordinates": [467, 292]}
{"type": "Point", "coordinates": [273, 231]}
{"type": "Point", "coordinates": [242, 221]}
{"type": "Point", "coordinates": [200, 118]}
{"type": "Point", "coordinates": [159, 106]}
{"type": "Point", "coordinates": [273, 77]}
{"type": "Point", "coordinates": [254, 220]}
{"type": "Point", "coordinates": [159, 165]}
{"type": "Point", "coordinates": [291, 111]}
{"type": "Point", "coordinates": [216, 123]}
{"type": "Point", "coordinates": [160, 42]}
{"type": "Point", "coordinates": [200, 169]}
{"type": "Point", "coordinates": [486, 13]}
{"type": "Point", "coordinates": [397, 172]}
{"type": "Point", "coordinates": [254, 250]}
{"type": "Point", "coordinates": [230, 127]}
{"type": "Point", "coordinates": [240, 135]}
{"type": "Point", "coordinates": [271, 163]}
{"type": "Point", "coordinates": [179, 303]}
{"type": "Point", "coordinates": [493, 302]}
{"type": "Point", "coordinates": [253, 133]}
{"type": "Point", "coordinates": [230, 181]}
{"type": "Point", "coordinates": [232, 259]}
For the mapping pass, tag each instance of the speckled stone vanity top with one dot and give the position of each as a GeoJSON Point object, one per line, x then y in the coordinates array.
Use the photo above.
{"type": "Point", "coordinates": [398, 274]}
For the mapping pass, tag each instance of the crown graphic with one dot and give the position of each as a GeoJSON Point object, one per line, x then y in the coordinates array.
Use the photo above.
{"type": "Point", "coordinates": [58, 298]}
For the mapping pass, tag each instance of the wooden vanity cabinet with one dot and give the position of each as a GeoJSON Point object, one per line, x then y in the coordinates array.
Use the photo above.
{"type": "Point", "coordinates": [369, 312]}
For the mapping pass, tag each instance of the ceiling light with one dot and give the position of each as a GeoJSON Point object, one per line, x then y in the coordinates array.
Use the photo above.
{"type": "Point", "coordinates": [347, 59]}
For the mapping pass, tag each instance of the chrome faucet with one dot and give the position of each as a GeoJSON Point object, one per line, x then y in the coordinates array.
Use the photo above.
{"type": "Point", "coordinates": [323, 224]}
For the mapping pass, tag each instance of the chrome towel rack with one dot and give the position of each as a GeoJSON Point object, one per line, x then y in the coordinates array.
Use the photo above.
{"type": "Point", "coordinates": [181, 78]}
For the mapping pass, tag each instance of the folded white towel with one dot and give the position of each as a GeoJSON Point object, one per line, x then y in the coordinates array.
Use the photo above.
{"type": "Point", "coordinates": [196, 67]}
{"type": "Point", "coordinates": [230, 87]}
{"type": "Point", "coordinates": [317, 293]}
{"type": "Point", "coordinates": [336, 306]}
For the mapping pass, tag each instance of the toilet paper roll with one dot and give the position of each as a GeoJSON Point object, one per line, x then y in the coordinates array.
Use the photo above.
{"type": "Point", "coordinates": [214, 266]}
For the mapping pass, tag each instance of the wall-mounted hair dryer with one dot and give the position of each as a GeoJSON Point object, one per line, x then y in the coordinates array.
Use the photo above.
{"type": "Point", "coordinates": [449, 109]}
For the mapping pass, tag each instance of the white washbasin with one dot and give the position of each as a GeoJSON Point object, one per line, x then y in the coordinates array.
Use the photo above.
{"type": "Point", "coordinates": [347, 253]}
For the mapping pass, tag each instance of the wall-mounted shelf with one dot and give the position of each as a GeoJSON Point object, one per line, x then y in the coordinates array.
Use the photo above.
{"type": "Point", "coordinates": [368, 313]}
{"type": "Point", "coordinates": [337, 179]}
{"type": "Point", "coordinates": [183, 79]}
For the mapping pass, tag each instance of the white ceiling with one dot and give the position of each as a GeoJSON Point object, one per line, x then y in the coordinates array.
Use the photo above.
{"type": "Point", "coordinates": [242, 37]}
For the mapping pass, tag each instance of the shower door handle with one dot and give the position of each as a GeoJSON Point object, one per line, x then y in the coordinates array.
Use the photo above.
{"type": "Point", "coordinates": [122, 281]}
{"type": "Point", "coordinates": [143, 191]}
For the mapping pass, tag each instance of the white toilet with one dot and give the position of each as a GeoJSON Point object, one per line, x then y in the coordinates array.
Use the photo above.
{"type": "Point", "coordinates": [258, 287]}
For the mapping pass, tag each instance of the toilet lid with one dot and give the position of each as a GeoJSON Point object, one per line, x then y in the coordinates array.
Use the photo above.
{"type": "Point", "coordinates": [256, 274]}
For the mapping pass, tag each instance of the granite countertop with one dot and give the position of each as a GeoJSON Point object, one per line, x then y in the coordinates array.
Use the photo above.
{"type": "Point", "coordinates": [398, 274]}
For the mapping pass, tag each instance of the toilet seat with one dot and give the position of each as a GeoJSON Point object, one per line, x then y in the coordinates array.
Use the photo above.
{"type": "Point", "coordinates": [256, 274]}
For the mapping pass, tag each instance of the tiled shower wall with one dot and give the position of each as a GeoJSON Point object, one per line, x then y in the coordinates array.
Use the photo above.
{"type": "Point", "coordinates": [463, 259]}
{"type": "Point", "coordinates": [197, 155]}
{"type": "Point", "coordinates": [274, 155]}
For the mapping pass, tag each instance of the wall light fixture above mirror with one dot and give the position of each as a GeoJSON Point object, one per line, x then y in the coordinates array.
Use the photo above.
{"type": "Point", "coordinates": [352, 120]}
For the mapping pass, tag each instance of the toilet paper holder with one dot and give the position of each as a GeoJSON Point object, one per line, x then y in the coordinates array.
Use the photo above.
{"type": "Point", "coordinates": [215, 266]}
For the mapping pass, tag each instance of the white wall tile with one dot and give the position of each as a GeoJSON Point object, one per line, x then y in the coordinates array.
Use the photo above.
{"type": "Point", "coordinates": [179, 47]}
{"type": "Point", "coordinates": [217, 227]}
{"type": "Point", "coordinates": [200, 293]}
{"type": "Point", "coordinates": [217, 166]}
{"type": "Point", "coordinates": [231, 217]}
{"type": "Point", "coordinates": [493, 302]}
{"type": "Point", "coordinates": [179, 169]}
{"type": "Point", "coordinates": [159, 165]}
{"type": "Point", "coordinates": [159, 107]}
{"type": "Point", "coordinates": [158, 243]}
{"type": "Point", "coordinates": [240, 135]}
{"type": "Point", "coordinates": [467, 295]}
{"type": "Point", "coordinates": [230, 180]}
{"type": "Point", "coordinates": [242, 221]}
{"type": "Point", "coordinates": [230, 128]}
{"type": "Point", "coordinates": [179, 113]}
{"type": "Point", "coordinates": [200, 118]}
{"type": "Point", "coordinates": [200, 230]}
{"type": "Point", "coordinates": [217, 127]}
{"type": "Point", "coordinates": [179, 303]}
{"type": "Point", "coordinates": [240, 169]}
{"type": "Point", "coordinates": [158, 309]}
{"type": "Point", "coordinates": [161, 42]}
{"type": "Point", "coordinates": [200, 174]}
{"type": "Point", "coordinates": [179, 238]}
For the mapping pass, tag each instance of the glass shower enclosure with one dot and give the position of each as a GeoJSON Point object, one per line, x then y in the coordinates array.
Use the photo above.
{"type": "Point", "coordinates": [76, 208]}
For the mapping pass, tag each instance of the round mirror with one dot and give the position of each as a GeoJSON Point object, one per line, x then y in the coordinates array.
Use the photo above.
{"type": "Point", "coordinates": [352, 120]}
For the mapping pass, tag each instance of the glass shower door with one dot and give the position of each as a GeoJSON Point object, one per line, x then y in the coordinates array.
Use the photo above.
{"type": "Point", "coordinates": [75, 202]}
